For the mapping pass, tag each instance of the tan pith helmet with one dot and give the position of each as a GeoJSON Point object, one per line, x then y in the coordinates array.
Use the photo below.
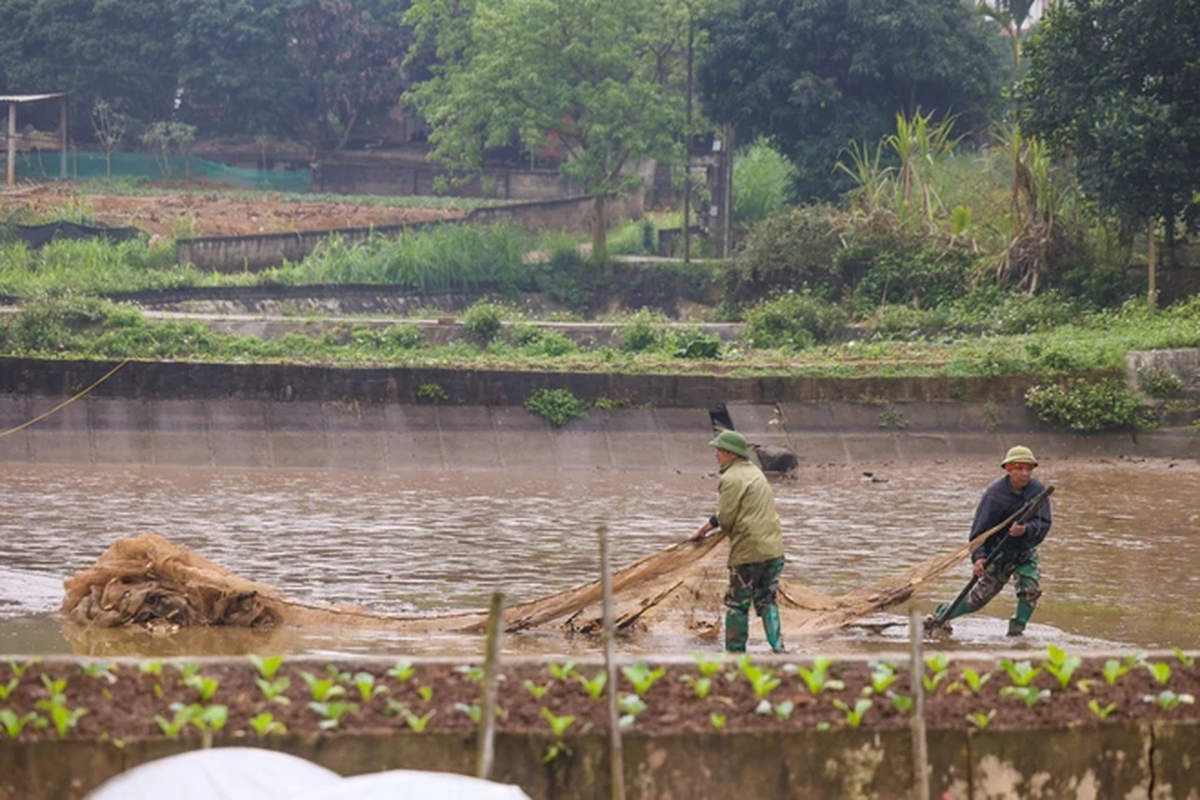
{"type": "Point", "coordinates": [1018, 455]}
{"type": "Point", "coordinates": [732, 441]}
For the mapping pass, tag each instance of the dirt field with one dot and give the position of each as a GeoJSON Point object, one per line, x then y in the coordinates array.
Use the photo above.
{"type": "Point", "coordinates": [200, 212]}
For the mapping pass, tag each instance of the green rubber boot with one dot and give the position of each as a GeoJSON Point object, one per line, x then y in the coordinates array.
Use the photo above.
{"type": "Point", "coordinates": [737, 630]}
{"type": "Point", "coordinates": [774, 631]}
{"type": "Point", "coordinates": [1016, 625]}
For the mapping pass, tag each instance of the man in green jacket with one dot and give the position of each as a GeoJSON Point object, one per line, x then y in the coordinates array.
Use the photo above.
{"type": "Point", "coordinates": [746, 514]}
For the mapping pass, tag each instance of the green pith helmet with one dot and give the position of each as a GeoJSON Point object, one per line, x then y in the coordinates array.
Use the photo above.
{"type": "Point", "coordinates": [732, 441]}
{"type": "Point", "coordinates": [1018, 455]}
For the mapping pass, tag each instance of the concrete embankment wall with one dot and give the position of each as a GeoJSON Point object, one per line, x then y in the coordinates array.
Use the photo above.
{"type": "Point", "coordinates": [288, 416]}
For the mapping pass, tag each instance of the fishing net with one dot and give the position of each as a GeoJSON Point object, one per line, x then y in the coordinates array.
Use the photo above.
{"type": "Point", "coordinates": [148, 582]}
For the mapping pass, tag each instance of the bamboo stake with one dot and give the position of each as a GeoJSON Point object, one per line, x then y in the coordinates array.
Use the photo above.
{"type": "Point", "coordinates": [920, 746]}
{"type": "Point", "coordinates": [491, 670]}
{"type": "Point", "coordinates": [616, 750]}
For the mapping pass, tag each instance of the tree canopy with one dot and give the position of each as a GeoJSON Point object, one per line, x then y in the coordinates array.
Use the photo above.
{"type": "Point", "coordinates": [594, 82]}
{"type": "Point", "coordinates": [1115, 83]}
{"type": "Point", "coordinates": [813, 75]}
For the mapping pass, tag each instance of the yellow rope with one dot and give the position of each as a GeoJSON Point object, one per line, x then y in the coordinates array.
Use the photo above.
{"type": "Point", "coordinates": [64, 403]}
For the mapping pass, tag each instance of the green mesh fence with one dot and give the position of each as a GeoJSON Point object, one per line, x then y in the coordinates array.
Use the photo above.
{"type": "Point", "coordinates": [40, 166]}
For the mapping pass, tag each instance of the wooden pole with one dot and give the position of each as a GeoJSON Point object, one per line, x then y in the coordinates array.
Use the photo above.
{"type": "Point", "coordinates": [12, 143]}
{"type": "Point", "coordinates": [916, 671]}
{"type": "Point", "coordinates": [491, 671]}
{"type": "Point", "coordinates": [616, 750]}
{"type": "Point", "coordinates": [1152, 266]}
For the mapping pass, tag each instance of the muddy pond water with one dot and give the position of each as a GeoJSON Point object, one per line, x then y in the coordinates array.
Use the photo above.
{"type": "Point", "coordinates": [1120, 567]}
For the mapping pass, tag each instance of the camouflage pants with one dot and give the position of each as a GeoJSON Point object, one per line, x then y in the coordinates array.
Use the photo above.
{"type": "Point", "coordinates": [755, 583]}
{"type": "Point", "coordinates": [996, 577]}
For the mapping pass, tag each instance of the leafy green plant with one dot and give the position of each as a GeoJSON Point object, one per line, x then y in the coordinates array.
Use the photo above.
{"type": "Point", "coordinates": [19, 669]}
{"type": "Point", "coordinates": [150, 667]}
{"type": "Point", "coordinates": [1113, 670]}
{"type": "Point", "coordinates": [183, 715]}
{"type": "Point", "coordinates": [266, 667]}
{"type": "Point", "coordinates": [1061, 666]}
{"type": "Point", "coordinates": [854, 716]}
{"type": "Point", "coordinates": [817, 679]}
{"type": "Point", "coordinates": [13, 725]}
{"type": "Point", "coordinates": [717, 720]}
{"type": "Point", "coordinates": [558, 726]}
{"type": "Point", "coordinates": [1166, 699]}
{"type": "Point", "coordinates": [332, 712]}
{"type": "Point", "coordinates": [641, 677]}
{"type": "Point", "coordinates": [595, 686]}
{"type": "Point", "coordinates": [640, 332]}
{"type": "Point", "coordinates": [630, 705]}
{"type": "Point", "coordinates": [563, 671]}
{"type": "Point", "coordinates": [708, 666]}
{"type": "Point", "coordinates": [274, 690]}
{"type": "Point", "coordinates": [1021, 673]}
{"type": "Point", "coordinates": [537, 691]}
{"type": "Point", "coordinates": [1030, 695]}
{"type": "Point", "coordinates": [482, 323]}
{"type": "Point", "coordinates": [473, 710]}
{"type": "Point", "coordinates": [101, 670]}
{"type": "Point", "coordinates": [1085, 405]}
{"type": "Point", "coordinates": [431, 392]}
{"type": "Point", "coordinates": [402, 672]}
{"type": "Point", "coordinates": [322, 689]}
{"type": "Point", "coordinates": [975, 680]}
{"type": "Point", "coordinates": [1161, 671]}
{"type": "Point", "coordinates": [474, 674]}
{"type": "Point", "coordinates": [763, 681]}
{"type": "Point", "coordinates": [939, 665]}
{"type": "Point", "coordinates": [368, 687]}
{"type": "Point", "coordinates": [902, 703]}
{"type": "Point", "coordinates": [559, 406]}
{"type": "Point", "coordinates": [981, 720]}
{"type": "Point", "coordinates": [1183, 657]}
{"type": "Point", "coordinates": [1101, 711]}
{"type": "Point", "coordinates": [264, 724]}
{"type": "Point", "coordinates": [205, 687]}
{"type": "Point", "coordinates": [425, 693]}
{"type": "Point", "coordinates": [700, 686]}
{"type": "Point", "coordinates": [8, 688]}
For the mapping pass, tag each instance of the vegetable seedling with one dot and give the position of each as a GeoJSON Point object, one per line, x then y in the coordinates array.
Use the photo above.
{"type": "Point", "coordinates": [205, 687]}
{"type": "Point", "coordinates": [641, 677]}
{"type": "Point", "coordinates": [558, 725]}
{"type": "Point", "coordinates": [1113, 670]}
{"type": "Point", "coordinates": [1184, 658]}
{"type": "Point", "coordinates": [150, 667]}
{"type": "Point", "coordinates": [367, 686]}
{"type": "Point", "coordinates": [901, 702]}
{"type": "Point", "coordinates": [267, 667]}
{"type": "Point", "coordinates": [273, 690]}
{"type": "Point", "coordinates": [172, 727]}
{"type": "Point", "coordinates": [1030, 695]}
{"type": "Point", "coordinates": [975, 680]}
{"type": "Point", "coordinates": [18, 670]}
{"type": "Point", "coordinates": [717, 720]}
{"type": "Point", "coordinates": [594, 687]}
{"type": "Point", "coordinates": [101, 670]}
{"type": "Point", "coordinates": [473, 674]}
{"type": "Point", "coordinates": [981, 720]}
{"type": "Point", "coordinates": [1101, 711]}
{"type": "Point", "coordinates": [763, 681]}
{"type": "Point", "coordinates": [562, 671]}
{"type": "Point", "coordinates": [425, 693]}
{"type": "Point", "coordinates": [13, 725]}
{"type": "Point", "coordinates": [700, 686]}
{"type": "Point", "coordinates": [8, 688]}
{"type": "Point", "coordinates": [1161, 671]}
{"type": "Point", "coordinates": [322, 689]}
{"type": "Point", "coordinates": [854, 716]}
{"type": "Point", "coordinates": [817, 679]}
{"type": "Point", "coordinates": [708, 666]}
{"type": "Point", "coordinates": [1166, 699]}
{"type": "Point", "coordinates": [1061, 666]}
{"type": "Point", "coordinates": [332, 712]}
{"type": "Point", "coordinates": [473, 711]}
{"type": "Point", "coordinates": [883, 675]}
{"type": "Point", "coordinates": [1021, 673]}
{"type": "Point", "coordinates": [537, 691]}
{"type": "Point", "coordinates": [402, 671]}
{"type": "Point", "coordinates": [265, 724]}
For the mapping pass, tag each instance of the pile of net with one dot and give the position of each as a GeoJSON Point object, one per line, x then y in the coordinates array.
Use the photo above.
{"type": "Point", "coordinates": [148, 582]}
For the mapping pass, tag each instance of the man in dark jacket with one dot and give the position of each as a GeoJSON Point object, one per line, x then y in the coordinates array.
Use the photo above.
{"type": "Point", "coordinates": [746, 514]}
{"type": "Point", "coordinates": [1018, 550]}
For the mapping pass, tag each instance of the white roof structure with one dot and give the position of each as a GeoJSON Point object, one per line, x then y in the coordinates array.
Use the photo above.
{"type": "Point", "coordinates": [251, 773]}
{"type": "Point", "coordinates": [29, 98]}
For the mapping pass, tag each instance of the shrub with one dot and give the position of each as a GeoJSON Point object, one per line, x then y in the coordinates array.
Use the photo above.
{"type": "Point", "coordinates": [1085, 405]}
{"type": "Point", "coordinates": [557, 405]}
{"type": "Point", "coordinates": [761, 177]}
{"type": "Point", "coordinates": [1159, 382]}
{"type": "Point", "coordinates": [482, 322]}
{"type": "Point", "coordinates": [639, 333]}
{"type": "Point", "coordinates": [794, 320]}
{"type": "Point", "coordinates": [793, 250]}
{"type": "Point", "coordinates": [887, 268]}
{"type": "Point", "coordinates": [891, 322]}
{"type": "Point", "coordinates": [552, 344]}
{"type": "Point", "coordinates": [404, 337]}
{"type": "Point", "coordinates": [691, 342]}
{"type": "Point", "coordinates": [1004, 313]}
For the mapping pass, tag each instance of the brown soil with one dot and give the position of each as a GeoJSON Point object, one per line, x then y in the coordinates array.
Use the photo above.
{"type": "Point", "coordinates": [203, 212]}
{"type": "Point", "coordinates": [124, 704]}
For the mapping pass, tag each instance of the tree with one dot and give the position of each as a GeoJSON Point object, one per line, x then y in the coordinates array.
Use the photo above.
{"type": "Point", "coordinates": [598, 80]}
{"type": "Point", "coordinates": [1114, 84]}
{"type": "Point", "coordinates": [110, 128]}
{"type": "Point", "coordinates": [814, 75]}
{"type": "Point", "coordinates": [350, 54]}
{"type": "Point", "coordinates": [236, 75]}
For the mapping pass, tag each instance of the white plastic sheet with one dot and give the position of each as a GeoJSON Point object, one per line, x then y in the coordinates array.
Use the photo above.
{"type": "Point", "coordinates": [247, 773]}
